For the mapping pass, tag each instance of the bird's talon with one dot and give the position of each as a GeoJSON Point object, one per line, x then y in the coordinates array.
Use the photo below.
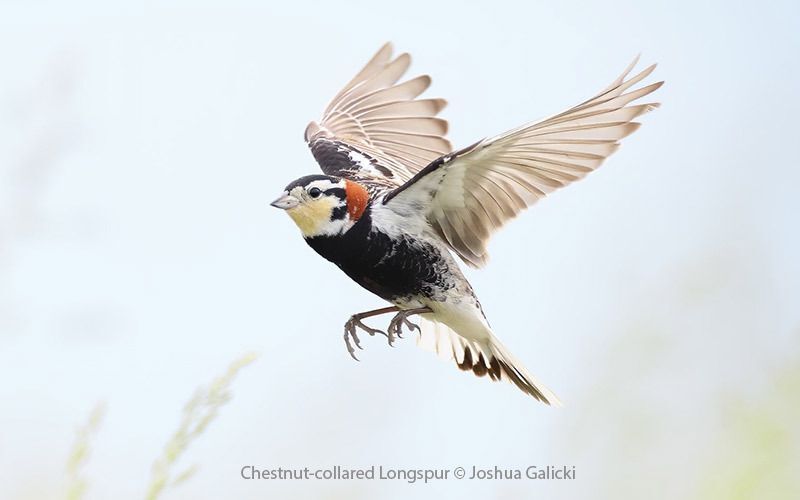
{"type": "Point", "coordinates": [350, 328]}
{"type": "Point", "coordinates": [350, 349]}
{"type": "Point", "coordinates": [396, 325]}
{"type": "Point", "coordinates": [350, 333]}
{"type": "Point", "coordinates": [411, 326]}
{"type": "Point", "coordinates": [392, 333]}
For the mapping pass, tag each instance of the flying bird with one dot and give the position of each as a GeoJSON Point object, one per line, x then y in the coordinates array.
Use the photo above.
{"type": "Point", "coordinates": [395, 204]}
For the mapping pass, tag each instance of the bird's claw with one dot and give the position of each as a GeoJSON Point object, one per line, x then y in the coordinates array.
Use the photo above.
{"type": "Point", "coordinates": [396, 326]}
{"type": "Point", "coordinates": [350, 333]}
{"type": "Point", "coordinates": [411, 326]}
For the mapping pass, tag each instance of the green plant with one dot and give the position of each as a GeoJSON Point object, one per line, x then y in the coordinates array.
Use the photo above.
{"type": "Point", "coordinates": [198, 413]}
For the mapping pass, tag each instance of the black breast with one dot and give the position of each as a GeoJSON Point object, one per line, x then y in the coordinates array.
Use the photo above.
{"type": "Point", "coordinates": [389, 268]}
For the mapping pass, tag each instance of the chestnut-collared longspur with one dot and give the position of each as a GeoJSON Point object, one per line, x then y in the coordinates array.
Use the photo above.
{"type": "Point", "coordinates": [395, 205]}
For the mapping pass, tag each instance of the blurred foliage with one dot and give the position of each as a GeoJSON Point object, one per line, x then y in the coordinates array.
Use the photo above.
{"type": "Point", "coordinates": [678, 424]}
{"type": "Point", "coordinates": [198, 413]}
{"type": "Point", "coordinates": [757, 457]}
{"type": "Point", "coordinates": [79, 455]}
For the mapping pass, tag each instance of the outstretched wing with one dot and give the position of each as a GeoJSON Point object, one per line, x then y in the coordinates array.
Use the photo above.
{"type": "Point", "coordinates": [376, 127]}
{"type": "Point", "coordinates": [469, 194]}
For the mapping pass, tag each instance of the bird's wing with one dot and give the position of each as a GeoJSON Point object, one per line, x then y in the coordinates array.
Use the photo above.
{"type": "Point", "coordinates": [380, 126]}
{"type": "Point", "coordinates": [468, 194]}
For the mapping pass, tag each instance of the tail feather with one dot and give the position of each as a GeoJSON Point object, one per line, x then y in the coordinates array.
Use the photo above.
{"type": "Point", "coordinates": [483, 357]}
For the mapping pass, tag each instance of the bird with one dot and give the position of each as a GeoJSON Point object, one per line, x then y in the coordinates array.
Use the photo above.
{"type": "Point", "coordinates": [395, 205]}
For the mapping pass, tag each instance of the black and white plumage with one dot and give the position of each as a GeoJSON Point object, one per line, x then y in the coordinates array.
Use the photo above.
{"type": "Point", "coordinates": [395, 205]}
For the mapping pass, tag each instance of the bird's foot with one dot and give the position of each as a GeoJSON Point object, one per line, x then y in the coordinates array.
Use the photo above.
{"type": "Point", "coordinates": [350, 333]}
{"type": "Point", "coordinates": [395, 329]}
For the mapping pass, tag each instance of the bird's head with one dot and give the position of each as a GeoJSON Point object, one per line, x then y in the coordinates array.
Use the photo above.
{"type": "Point", "coordinates": [322, 205]}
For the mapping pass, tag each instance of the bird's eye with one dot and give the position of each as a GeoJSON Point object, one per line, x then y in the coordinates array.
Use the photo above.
{"type": "Point", "coordinates": [314, 192]}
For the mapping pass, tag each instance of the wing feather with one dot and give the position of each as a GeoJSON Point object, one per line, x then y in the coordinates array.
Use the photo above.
{"type": "Point", "coordinates": [471, 193]}
{"type": "Point", "coordinates": [376, 115]}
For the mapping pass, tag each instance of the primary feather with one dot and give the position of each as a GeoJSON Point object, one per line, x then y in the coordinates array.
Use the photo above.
{"type": "Point", "coordinates": [467, 195]}
{"type": "Point", "coordinates": [384, 119]}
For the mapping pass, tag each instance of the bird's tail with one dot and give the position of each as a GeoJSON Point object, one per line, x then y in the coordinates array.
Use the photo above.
{"type": "Point", "coordinates": [482, 357]}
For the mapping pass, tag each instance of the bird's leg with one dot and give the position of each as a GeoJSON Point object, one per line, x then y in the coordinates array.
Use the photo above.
{"type": "Point", "coordinates": [400, 319]}
{"type": "Point", "coordinates": [355, 322]}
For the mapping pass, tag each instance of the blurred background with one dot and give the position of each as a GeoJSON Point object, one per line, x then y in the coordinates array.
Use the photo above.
{"type": "Point", "coordinates": [140, 147]}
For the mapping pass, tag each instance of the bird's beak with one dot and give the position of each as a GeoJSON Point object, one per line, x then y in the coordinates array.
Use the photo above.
{"type": "Point", "coordinates": [286, 201]}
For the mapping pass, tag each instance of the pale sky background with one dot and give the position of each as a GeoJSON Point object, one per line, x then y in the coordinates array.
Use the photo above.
{"type": "Point", "coordinates": [140, 147]}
